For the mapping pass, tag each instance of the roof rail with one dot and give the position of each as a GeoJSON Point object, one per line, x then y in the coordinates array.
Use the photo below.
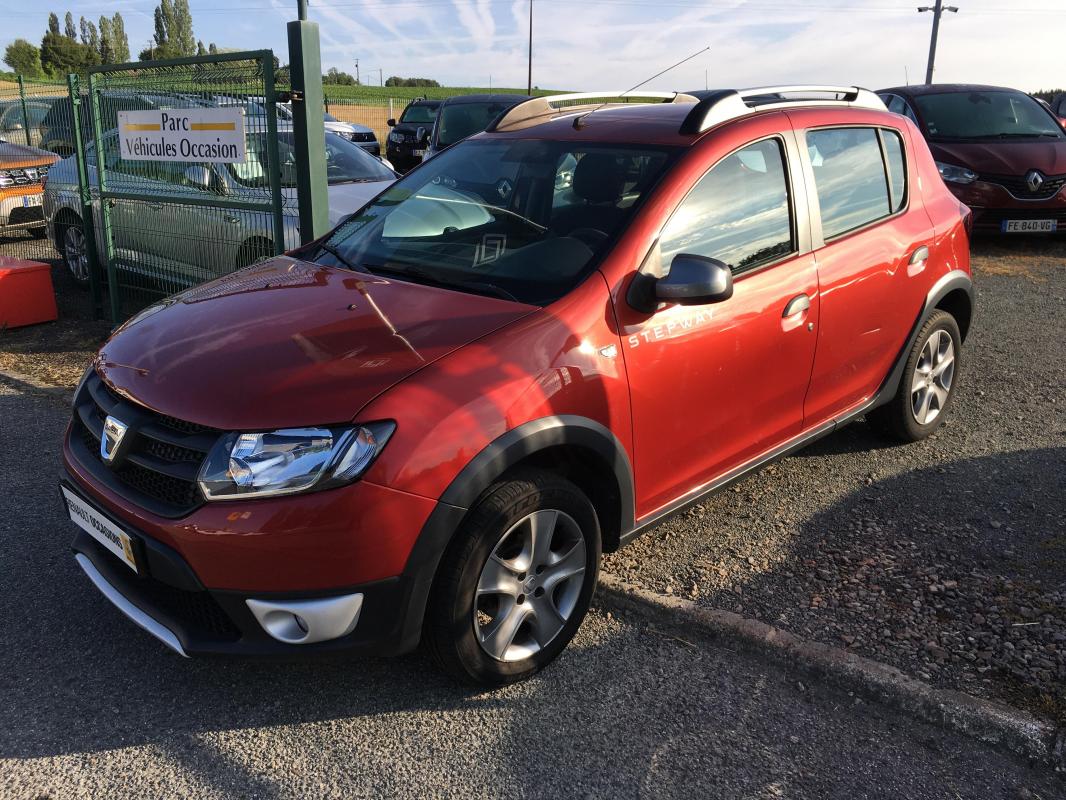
{"type": "Point", "coordinates": [535, 108]}
{"type": "Point", "coordinates": [718, 106]}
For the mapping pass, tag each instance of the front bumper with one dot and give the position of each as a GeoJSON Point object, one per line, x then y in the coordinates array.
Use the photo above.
{"type": "Point", "coordinates": [16, 215]}
{"type": "Point", "coordinates": [992, 204]}
{"type": "Point", "coordinates": [201, 569]}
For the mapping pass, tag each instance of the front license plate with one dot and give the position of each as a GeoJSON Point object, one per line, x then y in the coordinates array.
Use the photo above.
{"type": "Point", "coordinates": [100, 528]}
{"type": "Point", "coordinates": [1029, 225]}
{"type": "Point", "coordinates": [31, 200]}
{"type": "Point", "coordinates": [418, 153]}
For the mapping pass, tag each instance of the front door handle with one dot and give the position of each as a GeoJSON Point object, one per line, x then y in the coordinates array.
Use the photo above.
{"type": "Point", "coordinates": [797, 304]}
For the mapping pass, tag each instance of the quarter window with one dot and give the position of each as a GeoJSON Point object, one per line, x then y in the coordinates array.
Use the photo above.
{"type": "Point", "coordinates": [738, 213]}
{"type": "Point", "coordinates": [897, 168]}
{"type": "Point", "coordinates": [849, 176]}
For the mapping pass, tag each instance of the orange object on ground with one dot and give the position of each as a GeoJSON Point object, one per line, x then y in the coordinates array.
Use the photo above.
{"type": "Point", "coordinates": [26, 293]}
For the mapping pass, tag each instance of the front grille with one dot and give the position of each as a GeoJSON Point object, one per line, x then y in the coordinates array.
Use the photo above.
{"type": "Point", "coordinates": [198, 612]}
{"type": "Point", "coordinates": [363, 137]}
{"type": "Point", "coordinates": [161, 462]}
{"type": "Point", "coordinates": [1017, 186]}
{"type": "Point", "coordinates": [21, 177]}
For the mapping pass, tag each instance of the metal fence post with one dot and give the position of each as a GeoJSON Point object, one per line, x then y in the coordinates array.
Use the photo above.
{"type": "Point", "coordinates": [85, 193]}
{"type": "Point", "coordinates": [309, 132]}
{"type": "Point", "coordinates": [105, 211]}
{"type": "Point", "coordinates": [25, 116]}
{"type": "Point", "coordinates": [273, 157]}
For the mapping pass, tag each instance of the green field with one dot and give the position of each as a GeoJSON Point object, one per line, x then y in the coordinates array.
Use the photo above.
{"type": "Point", "coordinates": [373, 94]}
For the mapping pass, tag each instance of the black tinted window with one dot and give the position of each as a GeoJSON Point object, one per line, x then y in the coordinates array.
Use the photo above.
{"type": "Point", "coordinates": [738, 213]}
{"type": "Point", "coordinates": [897, 168]}
{"type": "Point", "coordinates": [849, 176]}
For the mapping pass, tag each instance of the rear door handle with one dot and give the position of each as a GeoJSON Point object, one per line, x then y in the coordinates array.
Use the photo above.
{"type": "Point", "coordinates": [917, 260]}
{"type": "Point", "coordinates": [797, 304]}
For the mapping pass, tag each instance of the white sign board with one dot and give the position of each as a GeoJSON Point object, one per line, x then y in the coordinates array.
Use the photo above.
{"type": "Point", "coordinates": [183, 134]}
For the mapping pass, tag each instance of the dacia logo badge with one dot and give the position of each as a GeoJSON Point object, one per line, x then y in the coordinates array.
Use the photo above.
{"type": "Point", "coordinates": [114, 431]}
{"type": "Point", "coordinates": [1034, 180]}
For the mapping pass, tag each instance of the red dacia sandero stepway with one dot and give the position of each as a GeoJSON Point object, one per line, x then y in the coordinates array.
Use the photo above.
{"type": "Point", "coordinates": [430, 423]}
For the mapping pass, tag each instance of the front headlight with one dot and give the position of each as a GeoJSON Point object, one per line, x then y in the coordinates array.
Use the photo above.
{"type": "Point", "coordinates": [396, 136]}
{"type": "Point", "coordinates": [290, 460]}
{"type": "Point", "coordinates": [955, 174]}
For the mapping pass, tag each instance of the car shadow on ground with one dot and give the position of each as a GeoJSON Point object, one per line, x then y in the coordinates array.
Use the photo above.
{"type": "Point", "coordinates": [956, 573]}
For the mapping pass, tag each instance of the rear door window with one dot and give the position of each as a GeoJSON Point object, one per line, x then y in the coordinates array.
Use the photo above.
{"type": "Point", "coordinates": [849, 177]}
{"type": "Point", "coordinates": [738, 213]}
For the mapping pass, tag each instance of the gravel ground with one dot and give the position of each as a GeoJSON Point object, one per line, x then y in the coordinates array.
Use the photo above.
{"type": "Point", "coordinates": [54, 352]}
{"type": "Point", "coordinates": [93, 707]}
{"type": "Point", "coordinates": [945, 558]}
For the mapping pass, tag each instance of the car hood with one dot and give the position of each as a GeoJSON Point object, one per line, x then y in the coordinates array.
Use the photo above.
{"type": "Point", "coordinates": [347, 198]}
{"type": "Point", "coordinates": [1004, 157]}
{"type": "Point", "coordinates": [287, 343]}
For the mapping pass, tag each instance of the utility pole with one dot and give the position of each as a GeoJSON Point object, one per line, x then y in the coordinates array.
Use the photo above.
{"type": "Point", "coordinates": [937, 10]}
{"type": "Point", "coordinates": [529, 84]}
{"type": "Point", "coordinates": [381, 76]}
{"type": "Point", "coordinates": [357, 70]}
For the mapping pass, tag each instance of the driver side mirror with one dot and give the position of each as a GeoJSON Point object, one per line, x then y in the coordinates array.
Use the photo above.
{"type": "Point", "coordinates": [421, 135]}
{"type": "Point", "coordinates": [391, 122]}
{"type": "Point", "coordinates": [693, 281]}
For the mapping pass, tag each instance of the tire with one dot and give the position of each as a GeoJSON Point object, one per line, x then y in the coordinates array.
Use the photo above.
{"type": "Point", "coordinates": [68, 235]}
{"type": "Point", "coordinates": [927, 387]}
{"type": "Point", "coordinates": [39, 233]}
{"type": "Point", "coordinates": [489, 578]}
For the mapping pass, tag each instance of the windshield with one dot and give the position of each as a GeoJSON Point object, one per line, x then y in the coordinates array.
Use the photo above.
{"type": "Point", "coordinates": [419, 115]}
{"type": "Point", "coordinates": [524, 220]}
{"type": "Point", "coordinates": [345, 162]}
{"type": "Point", "coordinates": [985, 115]}
{"type": "Point", "coordinates": [465, 119]}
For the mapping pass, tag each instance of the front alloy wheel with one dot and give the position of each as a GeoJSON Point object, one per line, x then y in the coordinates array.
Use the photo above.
{"type": "Point", "coordinates": [516, 581]}
{"type": "Point", "coordinates": [529, 586]}
{"type": "Point", "coordinates": [74, 254]}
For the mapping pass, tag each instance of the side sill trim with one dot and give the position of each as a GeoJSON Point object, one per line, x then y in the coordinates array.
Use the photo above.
{"type": "Point", "coordinates": [700, 492]}
{"type": "Point", "coordinates": [129, 609]}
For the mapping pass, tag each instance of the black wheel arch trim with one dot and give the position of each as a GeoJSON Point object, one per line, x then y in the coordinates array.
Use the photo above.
{"type": "Point", "coordinates": [953, 281]}
{"type": "Point", "coordinates": [500, 455]}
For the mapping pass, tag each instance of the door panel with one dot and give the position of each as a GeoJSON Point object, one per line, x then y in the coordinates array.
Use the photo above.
{"type": "Point", "coordinates": [873, 284]}
{"type": "Point", "coordinates": [713, 386]}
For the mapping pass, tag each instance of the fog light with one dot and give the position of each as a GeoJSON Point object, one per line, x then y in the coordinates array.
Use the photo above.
{"type": "Point", "coordinates": [308, 621]}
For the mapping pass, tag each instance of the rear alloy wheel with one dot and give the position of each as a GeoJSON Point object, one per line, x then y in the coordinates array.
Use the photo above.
{"type": "Point", "coordinates": [516, 582]}
{"type": "Point", "coordinates": [75, 256]}
{"type": "Point", "coordinates": [928, 384]}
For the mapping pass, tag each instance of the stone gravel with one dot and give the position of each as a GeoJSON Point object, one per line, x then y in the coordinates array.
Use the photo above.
{"type": "Point", "coordinates": [945, 558]}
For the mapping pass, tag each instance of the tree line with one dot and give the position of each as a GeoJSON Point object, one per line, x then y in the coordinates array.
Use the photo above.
{"type": "Point", "coordinates": [73, 47]}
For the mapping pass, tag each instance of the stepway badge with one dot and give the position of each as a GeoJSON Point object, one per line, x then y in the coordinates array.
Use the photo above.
{"type": "Point", "coordinates": [183, 134]}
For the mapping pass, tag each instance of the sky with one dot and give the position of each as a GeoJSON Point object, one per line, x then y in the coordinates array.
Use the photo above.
{"type": "Point", "coordinates": [590, 45]}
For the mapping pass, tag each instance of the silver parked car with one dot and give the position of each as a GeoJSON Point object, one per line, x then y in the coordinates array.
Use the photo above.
{"type": "Point", "coordinates": [184, 244]}
{"type": "Point", "coordinates": [352, 131]}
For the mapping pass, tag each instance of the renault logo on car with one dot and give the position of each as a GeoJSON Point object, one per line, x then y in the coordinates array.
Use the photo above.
{"type": "Point", "coordinates": [114, 431]}
{"type": "Point", "coordinates": [1034, 180]}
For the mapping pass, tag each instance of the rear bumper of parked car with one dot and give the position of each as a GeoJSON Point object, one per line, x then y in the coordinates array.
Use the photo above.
{"type": "Point", "coordinates": [344, 552]}
{"type": "Point", "coordinates": [992, 204]}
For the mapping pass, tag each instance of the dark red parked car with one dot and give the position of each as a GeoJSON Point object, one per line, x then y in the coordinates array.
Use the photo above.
{"type": "Point", "coordinates": [430, 423]}
{"type": "Point", "coordinates": [1000, 151]}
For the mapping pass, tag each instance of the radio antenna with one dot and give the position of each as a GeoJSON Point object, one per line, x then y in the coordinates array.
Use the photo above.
{"type": "Point", "coordinates": [579, 121]}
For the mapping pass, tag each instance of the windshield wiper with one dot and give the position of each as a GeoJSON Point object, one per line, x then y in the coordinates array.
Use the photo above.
{"type": "Point", "coordinates": [337, 254]}
{"type": "Point", "coordinates": [422, 276]}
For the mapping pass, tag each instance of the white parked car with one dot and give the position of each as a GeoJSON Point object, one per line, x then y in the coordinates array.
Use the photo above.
{"type": "Point", "coordinates": [188, 244]}
{"type": "Point", "coordinates": [360, 134]}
